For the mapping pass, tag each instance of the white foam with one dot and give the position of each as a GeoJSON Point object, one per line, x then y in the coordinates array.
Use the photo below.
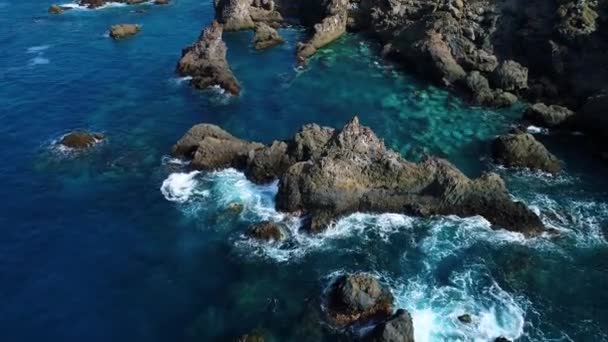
{"type": "Point", "coordinates": [75, 6]}
{"type": "Point", "coordinates": [180, 80]}
{"type": "Point", "coordinates": [435, 308]}
{"type": "Point", "coordinates": [39, 60]}
{"type": "Point", "coordinates": [37, 49]}
{"type": "Point", "coordinates": [536, 130]}
{"type": "Point", "coordinates": [180, 187]}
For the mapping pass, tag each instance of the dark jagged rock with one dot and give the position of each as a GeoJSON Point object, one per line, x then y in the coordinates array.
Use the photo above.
{"type": "Point", "coordinates": [94, 3]}
{"type": "Point", "coordinates": [81, 140]}
{"type": "Point", "coordinates": [357, 297]}
{"type": "Point", "coordinates": [593, 117]}
{"type": "Point", "coordinates": [266, 37]}
{"type": "Point", "coordinates": [161, 2]}
{"type": "Point", "coordinates": [122, 31]}
{"type": "Point", "coordinates": [466, 318]}
{"type": "Point", "coordinates": [502, 339]}
{"type": "Point", "coordinates": [205, 61]}
{"type": "Point", "coordinates": [548, 116]}
{"type": "Point", "coordinates": [523, 150]}
{"type": "Point", "coordinates": [511, 76]}
{"type": "Point", "coordinates": [398, 328]}
{"type": "Point", "coordinates": [482, 94]}
{"type": "Point", "coordinates": [329, 173]}
{"type": "Point", "coordinates": [266, 231]}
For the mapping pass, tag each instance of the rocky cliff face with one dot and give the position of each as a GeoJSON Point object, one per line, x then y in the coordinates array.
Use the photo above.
{"type": "Point", "coordinates": [328, 173]}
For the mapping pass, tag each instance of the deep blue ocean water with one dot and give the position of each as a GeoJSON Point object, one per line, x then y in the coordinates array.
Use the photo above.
{"type": "Point", "coordinates": [122, 244]}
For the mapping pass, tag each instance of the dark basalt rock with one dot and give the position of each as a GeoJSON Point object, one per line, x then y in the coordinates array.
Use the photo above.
{"type": "Point", "coordinates": [398, 328]}
{"type": "Point", "coordinates": [122, 31]}
{"type": "Point", "coordinates": [548, 116]}
{"type": "Point", "coordinates": [266, 231]}
{"type": "Point", "coordinates": [81, 140]}
{"type": "Point", "coordinates": [502, 339]}
{"type": "Point", "coordinates": [357, 297]}
{"type": "Point", "coordinates": [205, 61]}
{"type": "Point", "coordinates": [266, 37]}
{"type": "Point", "coordinates": [523, 150]}
{"type": "Point", "coordinates": [161, 2]}
{"type": "Point", "coordinates": [466, 318]}
{"type": "Point", "coordinates": [593, 117]}
{"type": "Point", "coordinates": [329, 173]}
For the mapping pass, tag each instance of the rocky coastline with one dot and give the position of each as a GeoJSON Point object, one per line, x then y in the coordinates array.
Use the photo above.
{"type": "Point", "coordinates": [548, 53]}
{"type": "Point", "coordinates": [327, 173]}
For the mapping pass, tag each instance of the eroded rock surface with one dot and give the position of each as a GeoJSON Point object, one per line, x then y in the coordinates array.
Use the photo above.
{"type": "Point", "coordinates": [80, 140]}
{"type": "Point", "coordinates": [266, 37]}
{"type": "Point", "coordinates": [328, 173]}
{"type": "Point", "coordinates": [548, 116]}
{"type": "Point", "coordinates": [244, 14]}
{"type": "Point", "coordinates": [205, 61]}
{"type": "Point", "coordinates": [523, 150]}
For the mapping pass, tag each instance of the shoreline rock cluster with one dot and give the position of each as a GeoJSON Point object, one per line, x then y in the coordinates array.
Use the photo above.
{"type": "Point", "coordinates": [327, 173]}
{"type": "Point", "coordinates": [94, 4]}
{"type": "Point", "coordinates": [549, 53]}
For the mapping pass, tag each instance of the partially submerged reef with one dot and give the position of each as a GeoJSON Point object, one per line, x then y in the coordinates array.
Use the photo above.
{"type": "Point", "coordinates": [326, 173]}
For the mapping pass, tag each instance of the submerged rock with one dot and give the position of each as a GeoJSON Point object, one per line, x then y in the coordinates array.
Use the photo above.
{"type": "Point", "coordinates": [398, 328]}
{"type": "Point", "coordinates": [205, 61]}
{"type": "Point", "coordinates": [266, 37]}
{"type": "Point", "coordinates": [327, 173]}
{"type": "Point", "coordinates": [547, 116]}
{"type": "Point", "coordinates": [356, 297]}
{"type": "Point", "coordinates": [266, 231]}
{"type": "Point", "coordinates": [523, 150]}
{"type": "Point", "coordinates": [161, 2]}
{"type": "Point", "coordinates": [81, 140]}
{"type": "Point", "coordinates": [121, 31]}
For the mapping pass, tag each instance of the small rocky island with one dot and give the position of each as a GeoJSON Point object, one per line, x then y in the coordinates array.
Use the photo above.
{"type": "Point", "coordinates": [205, 62]}
{"type": "Point", "coordinates": [328, 173]}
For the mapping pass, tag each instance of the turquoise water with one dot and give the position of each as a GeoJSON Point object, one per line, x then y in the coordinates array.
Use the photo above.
{"type": "Point", "coordinates": [121, 243]}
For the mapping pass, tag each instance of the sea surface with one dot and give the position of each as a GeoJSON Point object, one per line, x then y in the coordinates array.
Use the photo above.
{"type": "Point", "coordinates": [122, 243]}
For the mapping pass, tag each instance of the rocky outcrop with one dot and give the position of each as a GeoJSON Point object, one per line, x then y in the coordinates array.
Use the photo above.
{"type": "Point", "coordinates": [330, 28]}
{"type": "Point", "coordinates": [548, 116]}
{"type": "Point", "coordinates": [237, 15]}
{"type": "Point", "coordinates": [205, 61]}
{"type": "Point", "coordinates": [466, 318]}
{"type": "Point", "coordinates": [56, 9]}
{"type": "Point", "coordinates": [266, 37]}
{"type": "Point", "coordinates": [357, 297]}
{"type": "Point", "coordinates": [398, 328]}
{"type": "Point", "coordinates": [80, 140]}
{"type": "Point", "coordinates": [511, 76]}
{"type": "Point", "coordinates": [161, 2]}
{"type": "Point", "coordinates": [523, 150]}
{"type": "Point", "coordinates": [122, 31]}
{"type": "Point", "coordinates": [266, 231]}
{"type": "Point", "coordinates": [329, 173]}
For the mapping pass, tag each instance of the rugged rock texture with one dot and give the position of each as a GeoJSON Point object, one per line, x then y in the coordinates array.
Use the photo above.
{"type": "Point", "coordinates": [357, 297]}
{"type": "Point", "coordinates": [548, 116]}
{"type": "Point", "coordinates": [122, 31]}
{"type": "Point", "coordinates": [243, 14]}
{"type": "Point", "coordinates": [266, 231]}
{"type": "Point", "coordinates": [398, 328]}
{"type": "Point", "coordinates": [330, 28]}
{"type": "Point", "coordinates": [266, 37]}
{"type": "Point", "coordinates": [205, 61]}
{"type": "Point", "coordinates": [522, 150]}
{"type": "Point", "coordinates": [466, 318]}
{"type": "Point", "coordinates": [81, 140]}
{"type": "Point", "coordinates": [329, 173]}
